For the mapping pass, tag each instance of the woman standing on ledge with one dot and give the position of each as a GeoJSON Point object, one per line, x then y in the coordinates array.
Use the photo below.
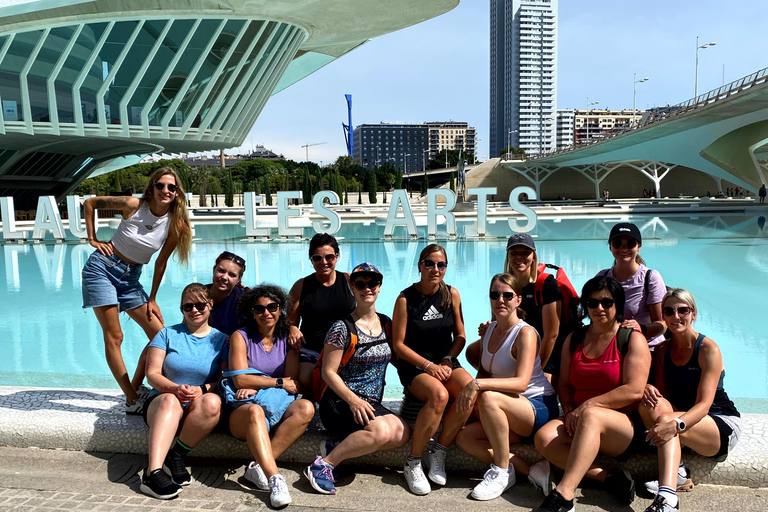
{"type": "Point", "coordinates": [318, 300]}
{"type": "Point", "coordinates": [156, 221]}
{"type": "Point", "coordinates": [688, 405]}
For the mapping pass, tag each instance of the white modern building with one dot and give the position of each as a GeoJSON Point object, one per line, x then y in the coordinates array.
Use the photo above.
{"type": "Point", "coordinates": [89, 86]}
{"type": "Point", "coordinates": [565, 128]}
{"type": "Point", "coordinates": [523, 75]}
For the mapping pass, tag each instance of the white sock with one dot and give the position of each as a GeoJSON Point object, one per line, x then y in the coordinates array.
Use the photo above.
{"type": "Point", "coordinates": [669, 494]}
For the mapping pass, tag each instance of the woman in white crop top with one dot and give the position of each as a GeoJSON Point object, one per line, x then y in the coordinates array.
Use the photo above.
{"type": "Point", "coordinates": [511, 395]}
{"type": "Point", "coordinates": [110, 280]}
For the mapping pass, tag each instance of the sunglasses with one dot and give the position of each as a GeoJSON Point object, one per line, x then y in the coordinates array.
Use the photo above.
{"type": "Point", "coordinates": [162, 186]}
{"type": "Point", "coordinates": [226, 255]}
{"type": "Point", "coordinates": [629, 244]}
{"type": "Point", "coordinates": [271, 307]}
{"type": "Point", "coordinates": [508, 296]}
{"type": "Point", "coordinates": [317, 258]}
{"type": "Point", "coordinates": [441, 265]}
{"type": "Point", "coordinates": [682, 311]}
{"type": "Point", "coordinates": [606, 303]}
{"type": "Point", "coordinates": [200, 306]}
{"type": "Point", "coordinates": [361, 285]}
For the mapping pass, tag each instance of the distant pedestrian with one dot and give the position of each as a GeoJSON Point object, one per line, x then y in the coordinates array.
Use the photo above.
{"type": "Point", "coordinates": [761, 193]}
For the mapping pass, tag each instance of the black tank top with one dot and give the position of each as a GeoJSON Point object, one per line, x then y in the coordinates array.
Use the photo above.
{"type": "Point", "coordinates": [683, 384]}
{"type": "Point", "coordinates": [321, 306]}
{"type": "Point", "coordinates": [429, 331]}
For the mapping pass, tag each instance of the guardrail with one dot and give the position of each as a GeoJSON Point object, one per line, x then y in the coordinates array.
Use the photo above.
{"type": "Point", "coordinates": [662, 113]}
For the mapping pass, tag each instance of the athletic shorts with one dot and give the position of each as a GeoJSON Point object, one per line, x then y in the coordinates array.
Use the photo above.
{"type": "Point", "coordinates": [730, 432]}
{"type": "Point", "coordinates": [110, 281]}
{"type": "Point", "coordinates": [337, 418]}
{"type": "Point", "coordinates": [407, 372]}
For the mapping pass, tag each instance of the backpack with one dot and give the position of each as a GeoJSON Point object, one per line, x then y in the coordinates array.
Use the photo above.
{"type": "Point", "coordinates": [318, 384]}
{"type": "Point", "coordinates": [622, 339]}
{"type": "Point", "coordinates": [569, 312]}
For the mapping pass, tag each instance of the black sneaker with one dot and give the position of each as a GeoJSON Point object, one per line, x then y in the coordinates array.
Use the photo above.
{"type": "Point", "coordinates": [621, 485]}
{"type": "Point", "coordinates": [159, 485]}
{"type": "Point", "coordinates": [554, 502]}
{"type": "Point", "coordinates": [661, 505]}
{"type": "Point", "coordinates": [174, 466]}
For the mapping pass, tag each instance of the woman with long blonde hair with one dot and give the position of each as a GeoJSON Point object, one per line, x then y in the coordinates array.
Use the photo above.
{"type": "Point", "coordinates": [157, 221]}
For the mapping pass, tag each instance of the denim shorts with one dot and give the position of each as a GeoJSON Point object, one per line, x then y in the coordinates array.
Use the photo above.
{"type": "Point", "coordinates": [545, 408]}
{"type": "Point", "coordinates": [109, 281]}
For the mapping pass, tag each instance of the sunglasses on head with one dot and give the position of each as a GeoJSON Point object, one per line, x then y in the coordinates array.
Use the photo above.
{"type": "Point", "coordinates": [271, 307]}
{"type": "Point", "coordinates": [226, 255]}
{"type": "Point", "coordinates": [508, 296]}
{"type": "Point", "coordinates": [682, 311]}
{"type": "Point", "coordinates": [162, 186]}
{"type": "Point", "coordinates": [441, 265]}
{"type": "Point", "coordinates": [606, 303]}
{"type": "Point", "coordinates": [317, 258]}
{"type": "Point", "coordinates": [629, 244]}
{"type": "Point", "coordinates": [200, 306]}
{"type": "Point", "coordinates": [361, 284]}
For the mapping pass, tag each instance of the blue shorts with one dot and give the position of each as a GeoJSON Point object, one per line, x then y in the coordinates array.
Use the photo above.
{"type": "Point", "coordinates": [110, 281]}
{"type": "Point", "coordinates": [545, 408]}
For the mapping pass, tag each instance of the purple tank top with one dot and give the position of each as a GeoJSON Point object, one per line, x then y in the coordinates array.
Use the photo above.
{"type": "Point", "coordinates": [273, 362]}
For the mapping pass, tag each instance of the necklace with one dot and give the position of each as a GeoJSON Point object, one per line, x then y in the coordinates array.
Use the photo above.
{"type": "Point", "coordinates": [369, 328]}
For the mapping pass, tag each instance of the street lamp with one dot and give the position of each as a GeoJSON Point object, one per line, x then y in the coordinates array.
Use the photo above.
{"type": "Point", "coordinates": [588, 111]}
{"type": "Point", "coordinates": [634, 94]}
{"type": "Point", "coordinates": [509, 140]}
{"type": "Point", "coordinates": [405, 171]}
{"type": "Point", "coordinates": [696, 86]}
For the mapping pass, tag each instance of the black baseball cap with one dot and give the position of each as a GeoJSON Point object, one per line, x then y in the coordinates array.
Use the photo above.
{"type": "Point", "coordinates": [626, 229]}
{"type": "Point", "coordinates": [523, 239]}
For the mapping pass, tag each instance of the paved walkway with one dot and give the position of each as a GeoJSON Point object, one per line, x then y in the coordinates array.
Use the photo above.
{"type": "Point", "coordinates": [36, 480]}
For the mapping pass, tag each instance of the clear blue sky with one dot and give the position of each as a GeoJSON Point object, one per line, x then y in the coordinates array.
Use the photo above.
{"type": "Point", "coordinates": [438, 70]}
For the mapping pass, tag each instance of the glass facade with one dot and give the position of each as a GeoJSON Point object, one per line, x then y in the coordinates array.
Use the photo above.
{"type": "Point", "coordinates": [174, 75]}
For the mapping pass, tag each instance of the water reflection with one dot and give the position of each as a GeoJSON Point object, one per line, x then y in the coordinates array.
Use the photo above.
{"type": "Point", "coordinates": [47, 339]}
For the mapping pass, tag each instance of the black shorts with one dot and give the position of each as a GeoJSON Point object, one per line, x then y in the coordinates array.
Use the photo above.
{"type": "Point", "coordinates": [638, 443]}
{"type": "Point", "coordinates": [337, 417]}
{"type": "Point", "coordinates": [407, 372]}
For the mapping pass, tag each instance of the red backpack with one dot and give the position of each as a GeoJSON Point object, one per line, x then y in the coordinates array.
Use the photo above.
{"type": "Point", "coordinates": [569, 316]}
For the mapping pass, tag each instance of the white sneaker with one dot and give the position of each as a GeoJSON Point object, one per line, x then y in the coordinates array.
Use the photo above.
{"type": "Point", "coordinates": [540, 477]}
{"type": "Point", "coordinates": [414, 475]}
{"type": "Point", "coordinates": [135, 409]}
{"type": "Point", "coordinates": [255, 475]}
{"type": "Point", "coordinates": [279, 496]}
{"type": "Point", "coordinates": [684, 483]}
{"type": "Point", "coordinates": [435, 461]}
{"type": "Point", "coordinates": [495, 481]}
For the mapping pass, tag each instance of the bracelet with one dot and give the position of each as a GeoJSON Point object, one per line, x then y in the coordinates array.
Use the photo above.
{"type": "Point", "coordinates": [429, 363]}
{"type": "Point", "coordinates": [477, 383]}
{"type": "Point", "coordinates": [205, 390]}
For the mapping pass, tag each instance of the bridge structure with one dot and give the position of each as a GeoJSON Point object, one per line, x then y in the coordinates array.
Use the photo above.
{"type": "Point", "coordinates": [722, 133]}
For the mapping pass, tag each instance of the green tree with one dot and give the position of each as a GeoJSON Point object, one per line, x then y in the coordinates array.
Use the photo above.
{"type": "Point", "coordinates": [373, 187]}
{"type": "Point", "coordinates": [398, 179]}
{"type": "Point", "coordinates": [266, 189]}
{"type": "Point", "coordinates": [200, 185]}
{"type": "Point", "coordinates": [229, 188]}
{"type": "Point", "coordinates": [424, 184]}
{"type": "Point", "coordinates": [306, 188]}
{"type": "Point", "coordinates": [214, 189]}
{"type": "Point", "coordinates": [515, 153]}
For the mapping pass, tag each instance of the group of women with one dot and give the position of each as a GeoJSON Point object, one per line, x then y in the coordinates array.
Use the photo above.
{"type": "Point", "coordinates": [634, 374]}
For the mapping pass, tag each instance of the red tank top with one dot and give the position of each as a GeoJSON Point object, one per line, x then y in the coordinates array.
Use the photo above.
{"type": "Point", "coordinates": [593, 377]}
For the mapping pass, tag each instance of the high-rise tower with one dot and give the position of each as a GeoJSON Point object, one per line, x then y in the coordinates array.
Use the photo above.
{"type": "Point", "coordinates": [523, 75]}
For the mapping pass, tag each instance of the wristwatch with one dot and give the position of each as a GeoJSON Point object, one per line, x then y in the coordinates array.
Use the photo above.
{"type": "Point", "coordinates": [279, 384]}
{"type": "Point", "coordinates": [452, 359]}
{"type": "Point", "coordinates": [680, 425]}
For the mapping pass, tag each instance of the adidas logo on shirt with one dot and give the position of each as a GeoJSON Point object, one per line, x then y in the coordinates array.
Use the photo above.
{"type": "Point", "coordinates": [432, 314]}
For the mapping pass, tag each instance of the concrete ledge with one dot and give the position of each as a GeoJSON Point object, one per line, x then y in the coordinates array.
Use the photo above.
{"type": "Point", "coordinates": [93, 420]}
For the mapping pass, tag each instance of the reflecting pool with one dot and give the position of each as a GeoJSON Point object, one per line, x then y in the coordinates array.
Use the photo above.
{"type": "Point", "coordinates": [47, 339]}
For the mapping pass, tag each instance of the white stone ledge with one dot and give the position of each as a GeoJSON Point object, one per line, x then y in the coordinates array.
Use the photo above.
{"type": "Point", "coordinates": [93, 420]}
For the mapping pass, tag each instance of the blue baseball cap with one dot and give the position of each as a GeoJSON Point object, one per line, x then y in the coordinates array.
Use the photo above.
{"type": "Point", "coordinates": [365, 269]}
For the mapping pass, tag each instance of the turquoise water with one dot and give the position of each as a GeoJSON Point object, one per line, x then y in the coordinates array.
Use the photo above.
{"type": "Point", "coordinates": [47, 339]}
